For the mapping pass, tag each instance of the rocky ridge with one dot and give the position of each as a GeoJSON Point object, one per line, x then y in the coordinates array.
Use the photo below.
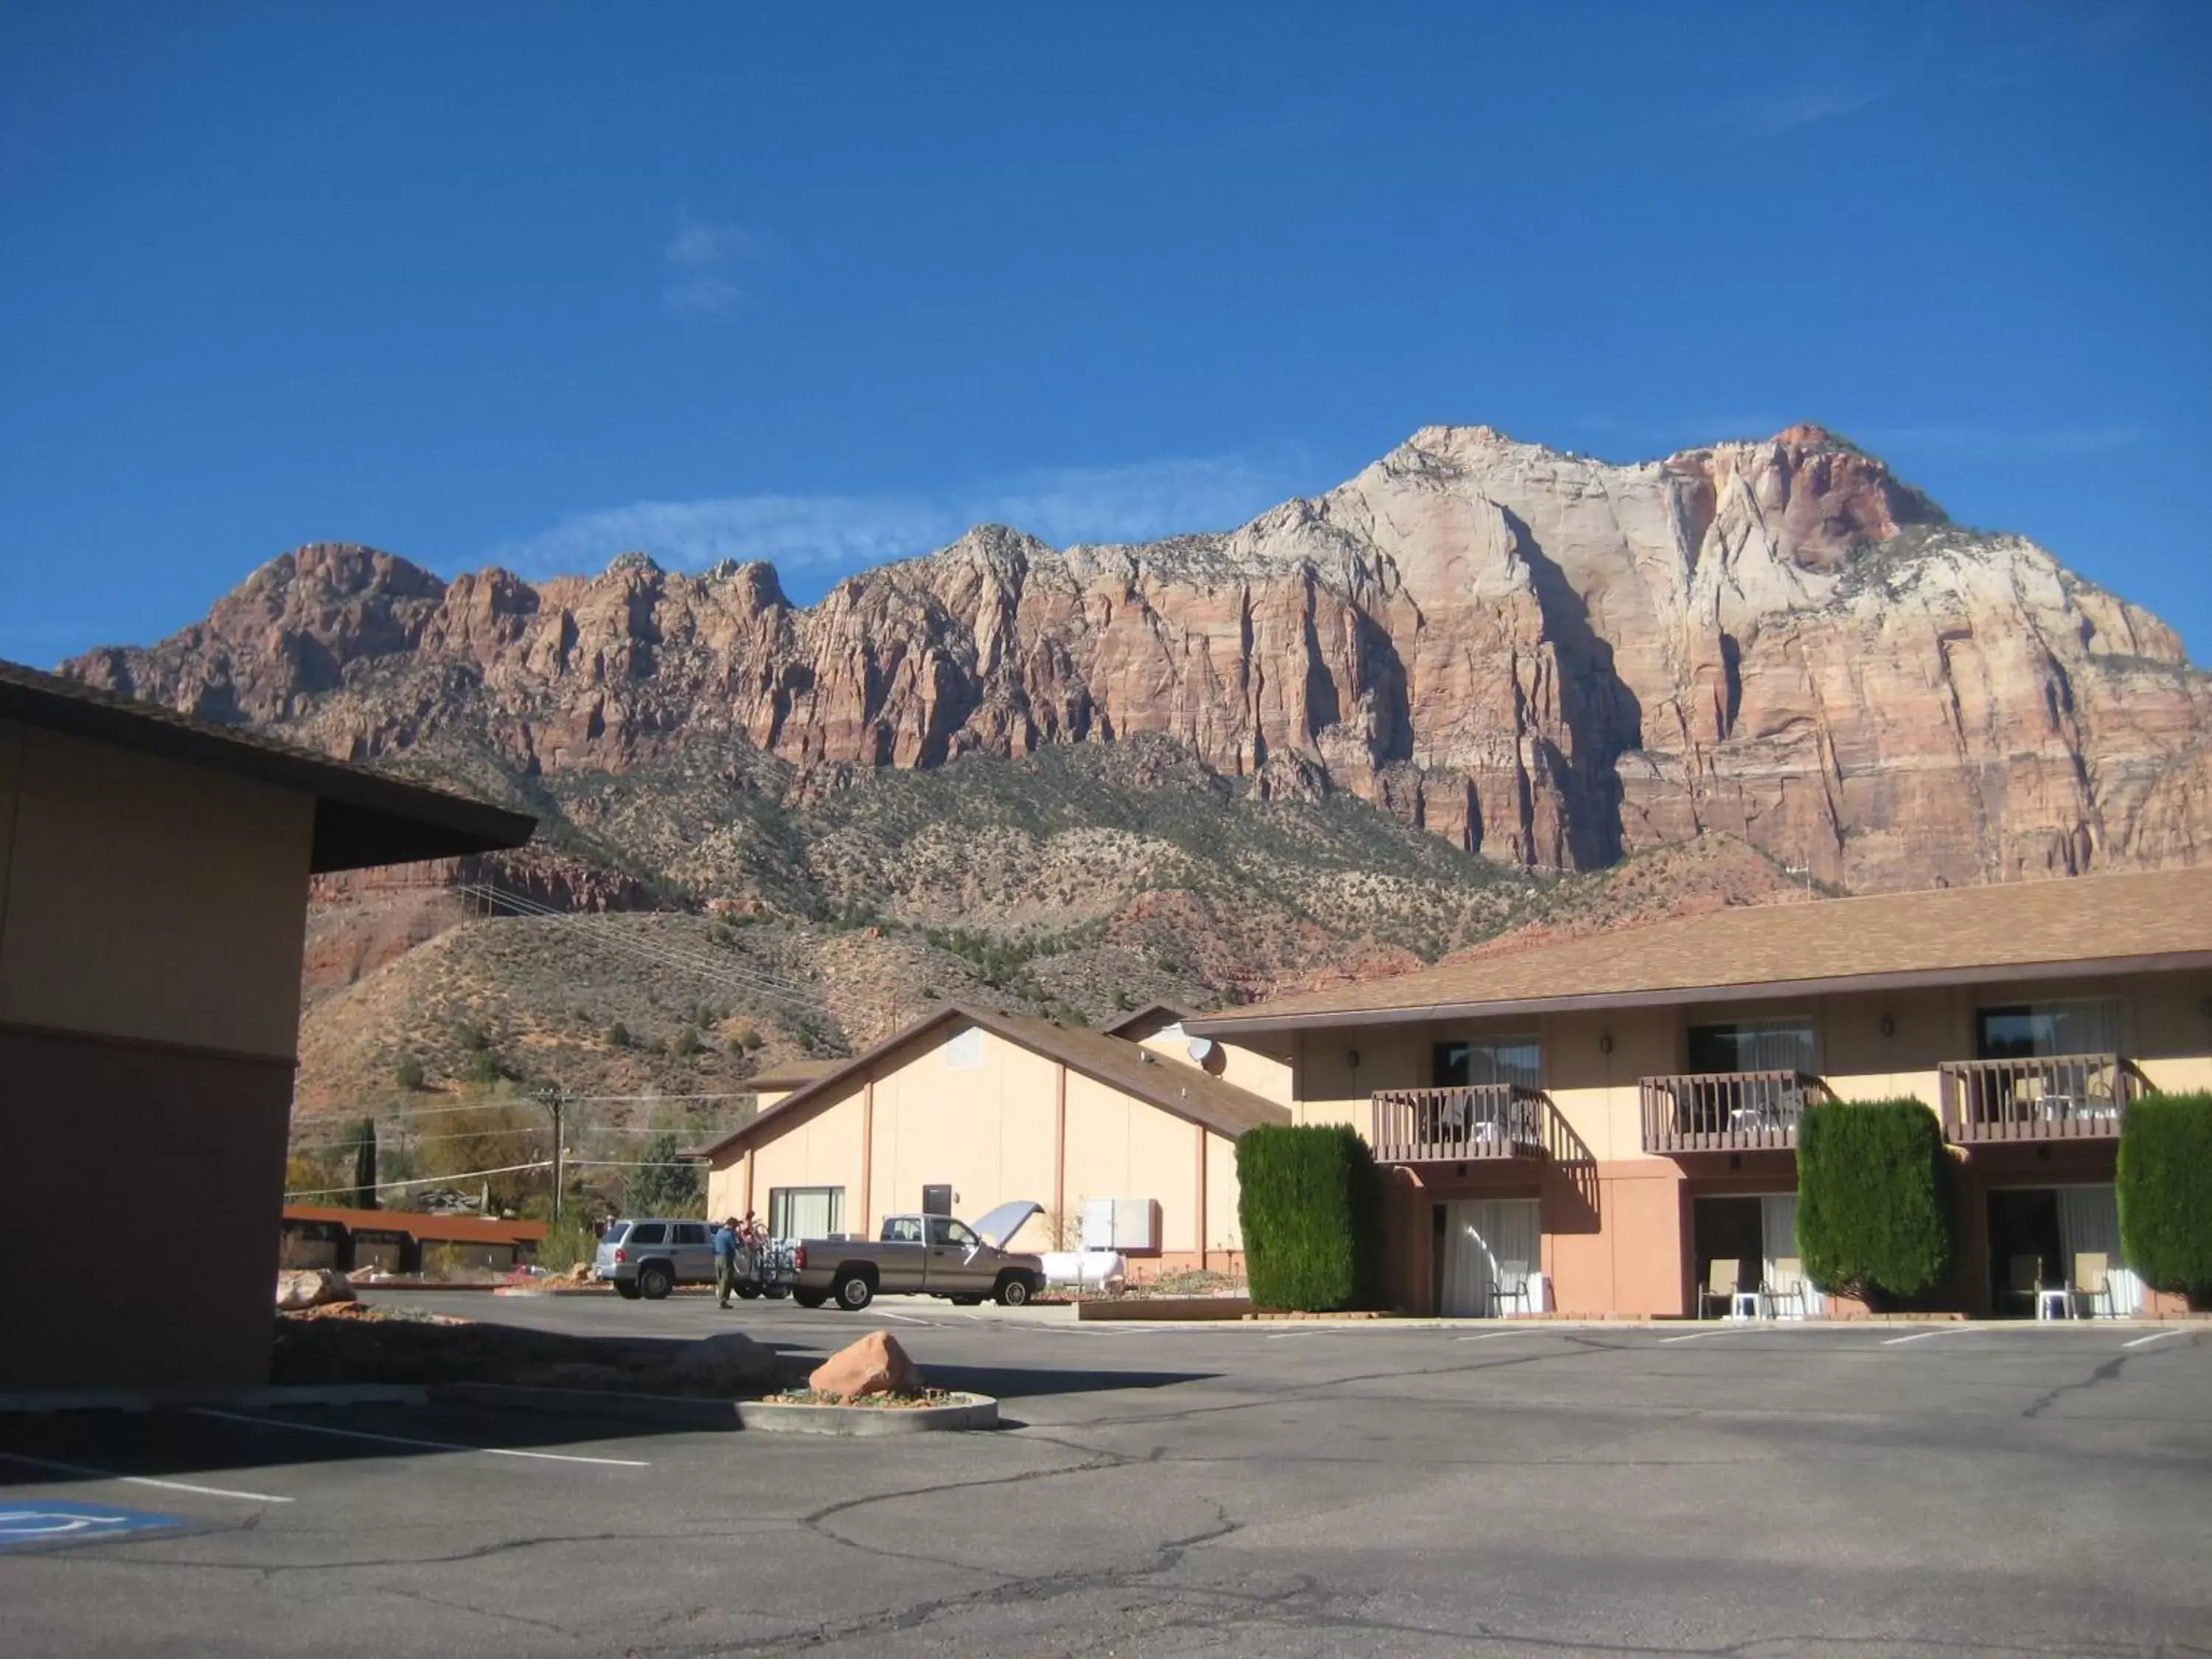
{"type": "Point", "coordinates": [1544, 659]}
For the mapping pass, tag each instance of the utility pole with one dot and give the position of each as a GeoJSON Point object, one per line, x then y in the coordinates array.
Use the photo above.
{"type": "Point", "coordinates": [554, 1101]}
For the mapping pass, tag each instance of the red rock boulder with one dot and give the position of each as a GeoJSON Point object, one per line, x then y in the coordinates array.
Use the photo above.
{"type": "Point", "coordinates": [874, 1365]}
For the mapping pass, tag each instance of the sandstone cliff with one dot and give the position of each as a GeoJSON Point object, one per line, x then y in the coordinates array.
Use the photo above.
{"type": "Point", "coordinates": [1543, 657]}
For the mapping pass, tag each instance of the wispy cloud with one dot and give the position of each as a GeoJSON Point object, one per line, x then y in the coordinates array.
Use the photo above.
{"type": "Point", "coordinates": [838, 533]}
{"type": "Point", "coordinates": [709, 266]}
{"type": "Point", "coordinates": [1987, 58]}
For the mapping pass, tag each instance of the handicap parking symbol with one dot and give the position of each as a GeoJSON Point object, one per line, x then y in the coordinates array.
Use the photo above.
{"type": "Point", "coordinates": [39, 1525]}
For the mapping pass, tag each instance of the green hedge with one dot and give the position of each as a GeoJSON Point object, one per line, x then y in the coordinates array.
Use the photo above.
{"type": "Point", "coordinates": [1310, 1203]}
{"type": "Point", "coordinates": [2165, 1191]}
{"type": "Point", "coordinates": [1873, 1198]}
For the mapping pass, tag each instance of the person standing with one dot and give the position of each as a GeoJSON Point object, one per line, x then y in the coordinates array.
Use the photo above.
{"type": "Point", "coordinates": [726, 1260]}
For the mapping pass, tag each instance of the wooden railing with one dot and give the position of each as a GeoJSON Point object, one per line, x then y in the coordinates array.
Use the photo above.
{"type": "Point", "coordinates": [1725, 1111]}
{"type": "Point", "coordinates": [2050, 1097]}
{"type": "Point", "coordinates": [1434, 1125]}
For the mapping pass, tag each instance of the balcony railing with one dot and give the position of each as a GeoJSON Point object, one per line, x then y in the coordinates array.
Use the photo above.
{"type": "Point", "coordinates": [1725, 1111]}
{"type": "Point", "coordinates": [1438, 1126]}
{"type": "Point", "coordinates": [2049, 1097]}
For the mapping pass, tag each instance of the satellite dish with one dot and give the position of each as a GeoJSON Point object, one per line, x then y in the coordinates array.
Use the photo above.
{"type": "Point", "coordinates": [1201, 1050]}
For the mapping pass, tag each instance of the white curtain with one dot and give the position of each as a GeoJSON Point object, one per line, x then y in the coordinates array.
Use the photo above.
{"type": "Point", "coordinates": [2089, 1221]}
{"type": "Point", "coordinates": [1488, 1242]}
{"type": "Point", "coordinates": [1778, 1227]}
{"type": "Point", "coordinates": [805, 1212]}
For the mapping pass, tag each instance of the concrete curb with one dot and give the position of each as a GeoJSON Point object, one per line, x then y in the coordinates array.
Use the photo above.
{"type": "Point", "coordinates": [765, 1417]}
{"type": "Point", "coordinates": [264, 1398]}
{"type": "Point", "coordinates": [974, 1411]}
{"type": "Point", "coordinates": [1165, 1307]}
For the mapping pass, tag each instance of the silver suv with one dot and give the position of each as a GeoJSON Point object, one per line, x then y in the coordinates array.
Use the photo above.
{"type": "Point", "coordinates": [651, 1258]}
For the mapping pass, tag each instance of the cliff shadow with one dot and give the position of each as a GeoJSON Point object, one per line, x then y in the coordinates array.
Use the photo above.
{"type": "Point", "coordinates": [1604, 717]}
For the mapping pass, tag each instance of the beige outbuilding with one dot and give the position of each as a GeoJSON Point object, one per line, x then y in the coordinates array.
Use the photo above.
{"type": "Point", "coordinates": [971, 1108]}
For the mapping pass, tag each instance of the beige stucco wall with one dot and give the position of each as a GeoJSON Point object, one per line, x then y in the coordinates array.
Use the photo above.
{"type": "Point", "coordinates": [151, 900]}
{"type": "Point", "coordinates": [1223, 1231]}
{"type": "Point", "coordinates": [820, 1149]}
{"type": "Point", "coordinates": [1121, 1147]}
{"type": "Point", "coordinates": [986, 1131]}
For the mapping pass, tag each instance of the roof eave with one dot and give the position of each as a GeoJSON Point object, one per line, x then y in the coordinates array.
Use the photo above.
{"type": "Point", "coordinates": [1231, 1025]}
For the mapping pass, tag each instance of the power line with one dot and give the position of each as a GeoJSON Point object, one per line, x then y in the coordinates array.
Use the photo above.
{"type": "Point", "coordinates": [619, 1164]}
{"type": "Point", "coordinates": [422, 1181]}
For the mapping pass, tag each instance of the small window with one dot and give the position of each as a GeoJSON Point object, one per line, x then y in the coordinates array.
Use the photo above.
{"type": "Point", "coordinates": [963, 1050]}
{"type": "Point", "coordinates": [690, 1232]}
{"type": "Point", "coordinates": [937, 1200]}
{"type": "Point", "coordinates": [1515, 1060]}
{"type": "Point", "coordinates": [805, 1212]}
{"type": "Point", "coordinates": [648, 1232]}
{"type": "Point", "coordinates": [614, 1232]}
{"type": "Point", "coordinates": [902, 1229]}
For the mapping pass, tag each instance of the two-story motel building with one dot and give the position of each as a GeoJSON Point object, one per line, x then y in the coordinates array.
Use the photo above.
{"type": "Point", "coordinates": [1618, 1112]}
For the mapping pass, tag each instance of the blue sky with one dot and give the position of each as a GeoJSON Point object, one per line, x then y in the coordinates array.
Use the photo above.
{"type": "Point", "coordinates": [531, 283]}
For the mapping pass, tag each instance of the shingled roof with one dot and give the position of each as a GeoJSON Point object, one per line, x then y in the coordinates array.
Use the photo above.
{"type": "Point", "coordinates": [2021, 930]}
{"type": "Point", "coordinates": [1182, 1090]}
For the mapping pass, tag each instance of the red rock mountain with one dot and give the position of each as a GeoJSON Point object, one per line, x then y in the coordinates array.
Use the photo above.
{"type": "Point", "coordinates": [1547, 659]}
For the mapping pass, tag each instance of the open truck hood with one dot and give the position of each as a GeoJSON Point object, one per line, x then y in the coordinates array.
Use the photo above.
{"type": "Point", "coordinates": [999, 1225]}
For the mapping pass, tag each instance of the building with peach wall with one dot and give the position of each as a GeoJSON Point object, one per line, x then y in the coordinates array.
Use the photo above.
{"type": "Point", "coordinates": [1598, 1122]}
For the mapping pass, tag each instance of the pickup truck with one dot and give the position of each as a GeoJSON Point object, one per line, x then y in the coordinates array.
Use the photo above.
{"type": "Point", "coordinates": [922, 1255]}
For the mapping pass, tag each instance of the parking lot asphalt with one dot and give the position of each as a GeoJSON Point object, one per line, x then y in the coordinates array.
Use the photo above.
{"type": "Point", "coordinates": [1266, 1490]}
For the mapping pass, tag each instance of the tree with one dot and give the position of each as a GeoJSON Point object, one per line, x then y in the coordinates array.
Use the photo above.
{"type": "Point", "coordinates": [1873, 1201]}
{"type": "Point", "coordinates": [1310, 1203]}
{"type": "Point", "coordinates": [618, 1035]}
{"type": "Point", "coordinates": [364, 1166]}
{"type": "Point", "coordinates": [408, 1073]}
{"type": "Point", "coordinates": [661, 1185]}
{"type": "Point", "coordinates": [2165, 1191]}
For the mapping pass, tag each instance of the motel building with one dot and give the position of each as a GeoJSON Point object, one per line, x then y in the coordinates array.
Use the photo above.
{"type": "Point", "coordinates": [1607, 1126]}
{"type": "Point", "coordinates": [970, 1108]}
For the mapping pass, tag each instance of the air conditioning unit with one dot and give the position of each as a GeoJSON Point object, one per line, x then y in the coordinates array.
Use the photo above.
{"type": "Point", "coordinates": [1120, 1224]}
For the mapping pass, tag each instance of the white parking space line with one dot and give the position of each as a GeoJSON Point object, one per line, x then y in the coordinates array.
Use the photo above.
{"type": "Point", "coordinates": [904, 1319]}
{"type": "Point", "coordinates": [141, 1479]}
{"type": "Point", "coordinates": [2155, 1336]}
{"type": "Point", "coordinates": [1700, 1336]}
{"type": "Point", "coordinates": [1922, 1336]}
{"type": "Point", "coordinates": [404, 1440]}
{"type": "Point", "coordinates": [1497, 1336]}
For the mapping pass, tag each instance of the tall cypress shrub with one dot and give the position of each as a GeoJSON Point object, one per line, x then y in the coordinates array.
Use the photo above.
{"type": "Point", "coordinates": [364, 1166]}
{"type": "Point", "coordinates": [2165, 1193]}
{"type": "Point", "coordinates": [1309, 1203]}
{"type": "Point", "coordinates": [1873, 1198]}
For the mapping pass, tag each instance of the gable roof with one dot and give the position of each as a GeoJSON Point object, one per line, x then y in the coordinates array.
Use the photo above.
{"type": "Point", "coordinates": [1184, 1091]}
{"type": "Point", "coordinates": [2013, 931]}
{"type": "Point", "coordinates": [361, 817]}
{"type": "Point", "coordinates": [1166, 1012]}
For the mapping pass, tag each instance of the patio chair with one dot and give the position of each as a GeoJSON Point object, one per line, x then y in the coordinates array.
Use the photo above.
{"type": "Point", "coordinates": [1510, 1286]}
{"type": "Point", "coordinates": [2092, 1281]}
{"type": "Point", "coordinates": [1787, 1287]}
{"type": "Point", "coordinates": [1719, 1285]}
{"type": "Point", "coordinates": [2023, 1279]}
